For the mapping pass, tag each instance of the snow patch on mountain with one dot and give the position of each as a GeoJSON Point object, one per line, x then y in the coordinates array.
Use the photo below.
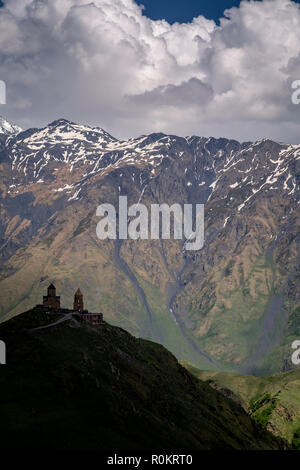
{"type": "Point", "coordinates": [67, 155]}
{"type": "Point", "coordinates": [7, 128]}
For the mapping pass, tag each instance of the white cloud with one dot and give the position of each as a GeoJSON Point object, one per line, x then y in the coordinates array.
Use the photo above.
{"type": "Point", "coordinates": [103, 63]}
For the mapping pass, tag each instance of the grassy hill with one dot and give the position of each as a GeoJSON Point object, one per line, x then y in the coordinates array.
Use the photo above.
{"type": "Point", "coordinates": [272, 401]}
{"type": "Point", "coordinates": [72, 386]}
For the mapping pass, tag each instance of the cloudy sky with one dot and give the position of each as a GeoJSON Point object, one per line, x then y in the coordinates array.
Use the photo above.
{"type": "Point", "coordinates": [109, 63]}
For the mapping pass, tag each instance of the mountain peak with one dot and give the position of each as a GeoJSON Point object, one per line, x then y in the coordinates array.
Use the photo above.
{"type": "Point", "coordinates": [7, 128]}
{"type": "Point", "coordinates": [65, 125]}
{"type": "Point", "coordinates": [60, 122]}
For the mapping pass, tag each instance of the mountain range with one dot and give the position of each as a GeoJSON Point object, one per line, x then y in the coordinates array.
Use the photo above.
{"type": "Point", "coordinates": [234, 305]}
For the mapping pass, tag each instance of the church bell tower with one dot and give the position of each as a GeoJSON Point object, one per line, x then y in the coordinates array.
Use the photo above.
{"type": "Point", "coordinates": [78, 301]}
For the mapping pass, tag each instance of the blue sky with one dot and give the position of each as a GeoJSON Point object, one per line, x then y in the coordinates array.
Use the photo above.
{"type": "Point", "coordinates": [185, 10]}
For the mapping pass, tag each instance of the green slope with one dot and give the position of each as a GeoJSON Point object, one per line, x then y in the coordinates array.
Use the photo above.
{"type": "Point", "coordinates": [272, 401]}
{"type": "Point", "coordinates": [71, 386]}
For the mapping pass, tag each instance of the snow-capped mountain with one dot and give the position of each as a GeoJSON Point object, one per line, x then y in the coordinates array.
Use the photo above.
{"type": "Point", "coordinates": [234, 303]}
{"type": "Point", "coordinates": [8, 128]}
{"type": "Point", "coordinates": [217, 165]}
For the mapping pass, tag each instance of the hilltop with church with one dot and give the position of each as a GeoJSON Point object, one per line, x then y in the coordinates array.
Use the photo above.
{"type": "Point", "coordinates": [51, 304]}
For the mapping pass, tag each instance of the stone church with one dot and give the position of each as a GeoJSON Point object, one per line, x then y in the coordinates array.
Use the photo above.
{"type": "Point", "coordinates": [51, 302]}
